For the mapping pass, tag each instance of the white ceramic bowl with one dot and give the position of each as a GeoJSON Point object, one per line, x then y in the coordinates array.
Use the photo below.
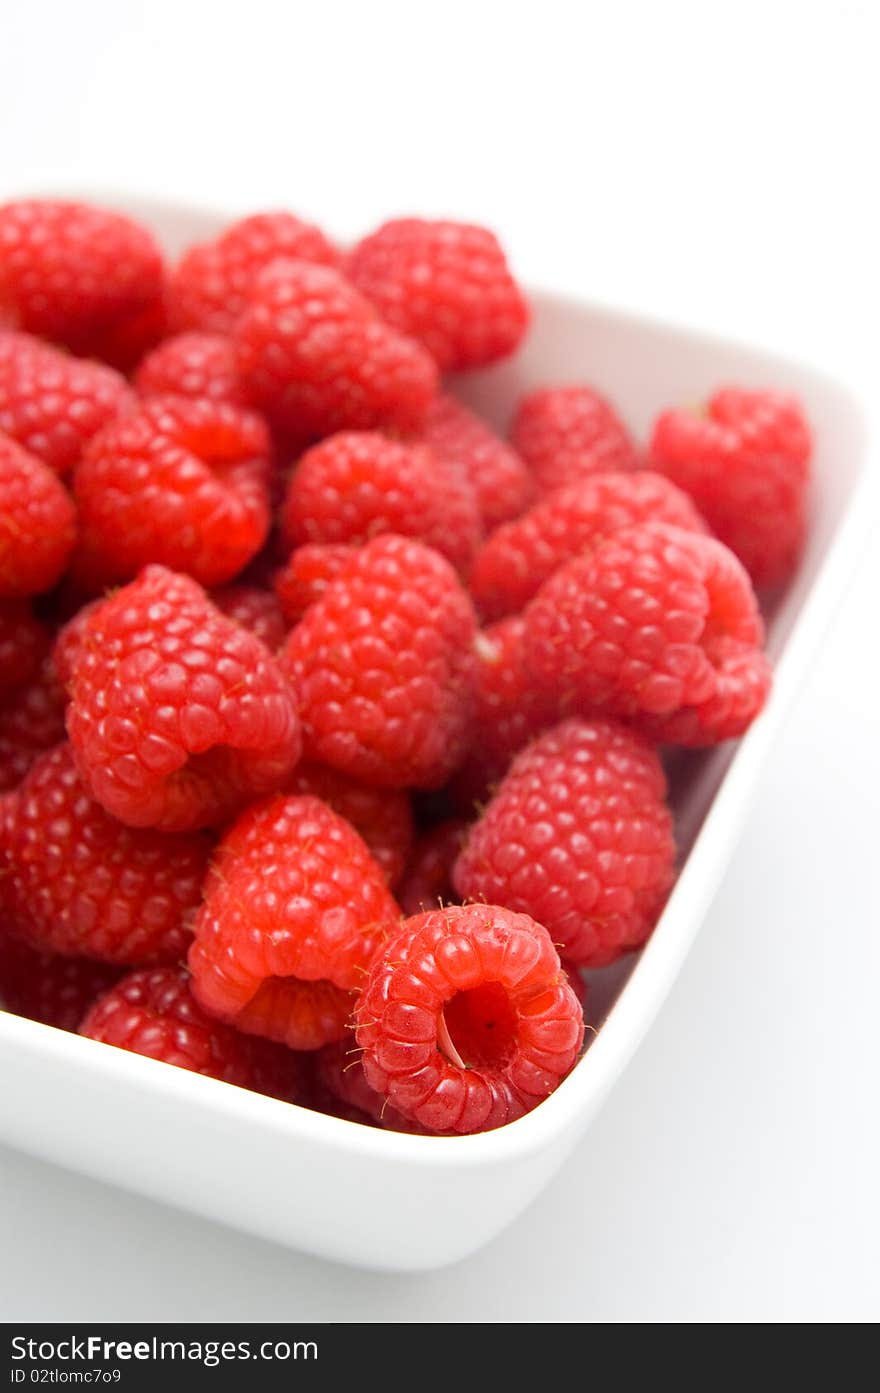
{"type": "Point", "coordinates": [376, 1198]}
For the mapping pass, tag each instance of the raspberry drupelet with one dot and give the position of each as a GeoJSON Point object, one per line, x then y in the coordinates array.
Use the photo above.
{"type": "Point", "coordinates": [500, 480]}
{"type": "Point", "coordinates": [192, 365]}
{"type": "Point", "coordinates": [295, 908]}
{"type": "Point", "coordinates": [31, 721]}
{"type": "Point", "coordinates": [427, 881]}
{"type": "Point", "coordinates": [314, 355]}
{"type": "Point", "coordinates": [383, 665]}
{"type": "Point", "coordinates": [659, 626]}
{"type": "Point", "coordinates": [359, 484]}
{"type": "Point", "coordinates": [177, 714]}
{"type": "Point", "coordinates": [24, 643]}
{"type": "Point", "coordinates": [37, 523]}
{"type": "Point", "coordinates": [153, 1012]}
{"type": "Point", "coordinates": [47, 987]}
{"type": "Point", "coordinates": [81, 883]}
{"type": "Point", "coordinates": [340, 1078]}
{"type": "Point", "coordinates": [516, 560]}
{"type": "Point", "coordinates": [306, 574]}
{"type": "Point", "coordinates": [567, 433]}
{"type": "Point", "coordinates": [467, 1019]}
{"type": "Point", "coordinates": [181, 483]}
{"type": "Point", "coordinates": [255, 609]}
{"type": "Point", "coordinates": [579, 836]}
{"type": "Point", "coordinates": [382, 816]}
{"type": "Point", "coordinates": [446, 284]}
{"type": "Point", "coordinates": [745, 461]}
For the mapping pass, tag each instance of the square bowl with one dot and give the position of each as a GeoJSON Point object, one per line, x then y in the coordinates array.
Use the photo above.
{"type": "Point", "coordinates": [395, 1202]}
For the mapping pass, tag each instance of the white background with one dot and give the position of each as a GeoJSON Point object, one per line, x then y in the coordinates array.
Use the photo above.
{"type": "Point", "coordinates": [713, 162]}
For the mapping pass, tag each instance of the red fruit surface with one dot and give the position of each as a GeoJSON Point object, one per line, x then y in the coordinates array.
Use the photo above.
{"type": "Point", "coordinates": [31, 721]}
{"type": "Point", "coordinates": [446, 284]}
{"type": "Point", "coordinates": [381, 816]}
{"type": "Point", "coordinates": [306, 575]}
{"type": "Point", "coordinates": [339, 1074]}
{"type": "Point", "coordinates": [427, 881]}
{"type": "Point", "coordinates": [180, 483]}
{"type": "Point", "coordinates": [192, 365]}
{"type": "Point", "coordinates": [255, 609]}
{"type": "Point", "coordinates": [578, 835]}
{"type": "Point", "coordinates": [153, 1012]}
{"type": "Point", "coordinates": [467, 1020]}
{"type": "Point", "coordinates": [315, 356]}
{"type": "Point", "coordinates": [52, 404]}
{"type": "Point", "coordinates": [73, 273]}
{"type": "Point", "coordinates": [383, 665]}
{"type": "Point", "coordinates": [567, 433]}
{"type": "Point", "coordinates": [745, 461]}
{"type": "Point", "coordinates": [49, 988]}
{"type": "Point", "coordinates": [210, 287]}
{"type": "Point", "coordinates": [656, 625]}
{"type": "Point", "coordinates": [294, 898]}
{"type": "Point", "coordinates": [500, 480]}
{"type": "Point", "coordinates": [24, 642]}
{"type": "Point", "coordinates": [516, 560]}
{"type": "Point", "coordinates": [177, 715]}
{"type": "Point", "coordinates": [80, 882]}
{"type": "Point", "coordinates": [37, 523]}
{"type": "Point", "coordinates": [359, 484]}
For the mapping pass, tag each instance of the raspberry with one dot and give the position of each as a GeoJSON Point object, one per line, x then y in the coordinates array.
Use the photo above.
{"type": "Point", "coordinates": [81, 883]}
{"type": "Point", "coordinates": [294, 899]}
{"type": "Point", "coordinates": [153, 1012]}
{"type": "Point", "coordinates": [24, 643]}
{"type": "Point", "coordinates": [306, 576]}
{"type": "Point", "coordinates": [339, 1074]}
{"type": "Point", "coordinates": [579, 834]}
{"type": "Point", "coordinates": [255, 609]}
{"type": "Point", "coordinates": [446, 284]}
{"type": "Point", "coordinates": [37, 523]}
{"type": "Point", "coordinates": [72, 273]}
{"type": "Point", "coordinates": [52, 404]}
{"type": "Point", "coordinates": [427, 882]}
{"type": "Point", "coordinates": [384, 668]}
{"type": "Point", "coordinates": [500, 480]}
{"type": "Point", "coordinates": [467, 1020]}
{"type": "Point", "coordinates": [510, 707]}
{"type": "Point", "coordinates": [567, 433]}
{"type": "Point", "coordinates": [315, 356]}
{"type": "Point", "coordinates": [210, 287]}
{"type": "Point", "coordinates": [192, 365]}
{"type": "Point", "coordinates": [658, 625]}
{"type": "Point", "coordinates": [359, 484]}
{"type": "Point", "coordinates": [47, 987]}
{"type": "Point", "coordinates": [177, 714]}
{"type": "Point", "coordinates": [514, 563]}
{"type": "Point", "coordinates": [178, 482]}
{"type": "Point", "coordinates": [745, 463]}
{"type": "Point", "coordinates": [381, 816]}
{"type": "Point", "coordinates": [31, 721]}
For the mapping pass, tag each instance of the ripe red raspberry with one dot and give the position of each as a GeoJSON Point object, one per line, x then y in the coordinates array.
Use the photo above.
{"type": "Point", "coordinates": [52, 404]}
{"type": "Point", "coordinates": [381, 816]}
{"type": "Point", "coordinates": [306, 575]}
{"type": "Point", "coordinates": [315, 356]}
{"type": "Point", "coordinates": [745, 463]}
{"type": "Point", "coordinates": [579, 834]}
{"type": "Point", "coordinates": [72, 273]}
{"type": "Point", "coordinates": [516, 560]}
{"type": "Point", "coordinates": [340, 1077]}
{"type": "Point", "coordinates": [37, 523]}
{"type": "Point", "coordinates": [384, 668]}
{"type": "Point", "coordinates": [255, 609]}
{"type": "Point", "coordinates": [177, 714]}
{"type": "Point", "coordinates": [500, 480]}
{"type": "Point", "coordinates": [427, 881]}
{"type": "Point", "coordinates": [446, 284]}
{"type": "Point", "coordinates": [294, 898]}
{"type": "Point", "coordinates": [153, 1012]}
{"type": "Point", "coordinates": [359, 484]}
{"type": "Point", "coordinates": [467, 1020]}
{"type": "Point", "coordinates": [31, 721]}
{"type": "Point", "coordinates": [192, 365]}
{"type": "Point", "coordinates": [658, 625]}
{"type": "Point", "coordinates": [24, 642]}
{"type": "Point", "coordinates": [211, 285]}
{"type": "Point", "coordinates": [181, 483]}
{"type": "Point", "coordinates": [81, 883]}
{"type": "Point", "coordinates": [510, 707]}
{"type": "Point", "coordinates": [47, 987]}
{"type": "Point", "coordinates": [567, 433]}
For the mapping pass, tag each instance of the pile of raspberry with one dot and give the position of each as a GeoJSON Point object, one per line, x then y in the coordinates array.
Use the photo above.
{"type": "Point", "coordinates": [332, 722]}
